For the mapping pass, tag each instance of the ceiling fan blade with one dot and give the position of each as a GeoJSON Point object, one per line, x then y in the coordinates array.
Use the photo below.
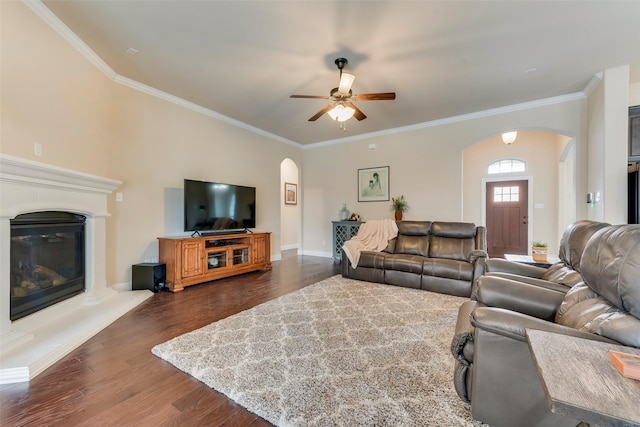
{"type": "Point", "coordinates": [358, 114]}
{"type": "Point", "coordinates": [319, 114]}
{"type": "Point", "coordinates": [386, 96]}
{"type": "Point", "coordinates": [309, 96]}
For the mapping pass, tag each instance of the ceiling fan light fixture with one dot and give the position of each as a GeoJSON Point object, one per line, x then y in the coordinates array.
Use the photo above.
{"type": "Point", "coordinates": [509, 137]}
{"type": "Point", "coordinates": [346, 81]}
{"type": "Point", "coordinates": [341, 113]}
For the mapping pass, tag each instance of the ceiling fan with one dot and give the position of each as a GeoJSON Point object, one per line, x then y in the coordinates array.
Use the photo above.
{"type": "Point", "coordinates": [342, 108]}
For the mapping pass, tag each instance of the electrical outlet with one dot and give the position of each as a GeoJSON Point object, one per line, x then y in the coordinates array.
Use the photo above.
{"type": "Point", "coordinates": [37, 149]}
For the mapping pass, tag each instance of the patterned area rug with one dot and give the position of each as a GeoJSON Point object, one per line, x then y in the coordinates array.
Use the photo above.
{"type": "Point", "coordinates": [340, 352]}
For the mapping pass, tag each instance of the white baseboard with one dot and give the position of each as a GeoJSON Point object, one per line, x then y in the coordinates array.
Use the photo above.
{"type": "Point", "coordinates": [288, 247]}
{"type": "Point", "coordinates": [317, 253]}
{"type": "Point", "coordinates": [120, 287]}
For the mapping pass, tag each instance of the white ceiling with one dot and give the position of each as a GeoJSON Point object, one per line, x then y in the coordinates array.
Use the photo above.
{"type": "Point", "coordinates": [243, 59]}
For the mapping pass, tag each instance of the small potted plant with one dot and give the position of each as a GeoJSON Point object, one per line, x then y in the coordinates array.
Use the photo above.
{"type": "Point", "coordinates": [539, 251]}
{"type": "Point", "coordinates": [399, 205]}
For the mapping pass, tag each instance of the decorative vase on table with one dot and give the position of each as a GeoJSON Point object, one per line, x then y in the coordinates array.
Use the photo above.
{"type": "Point", "coordinates": [344, 213]}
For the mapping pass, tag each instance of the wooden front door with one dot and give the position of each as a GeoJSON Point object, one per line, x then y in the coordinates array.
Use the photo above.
{"type": "Point", "coordinates": [507, 218]}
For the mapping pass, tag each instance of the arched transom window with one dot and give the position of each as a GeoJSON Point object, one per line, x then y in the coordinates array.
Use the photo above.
{"type": "Point", "coordinates": [507, 166]}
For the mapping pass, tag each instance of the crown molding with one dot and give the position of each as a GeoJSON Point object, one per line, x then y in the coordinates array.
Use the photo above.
{"type": "Point", "coordinates": [592, 83]}
{"type": "Point", "coordinates": [47, 16]}
{"type": "Point", "coordinates": [72, 38]}
{"type": "Point", "coordinates": [455, 119]}
{"type": "Point", "coordinates": [141, 87]}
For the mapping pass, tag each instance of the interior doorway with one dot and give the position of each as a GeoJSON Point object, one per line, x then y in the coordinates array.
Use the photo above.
{"type": "Point", "coordinates": [289, 211]}
{"type": "Point", "coordinates": [507, 217]}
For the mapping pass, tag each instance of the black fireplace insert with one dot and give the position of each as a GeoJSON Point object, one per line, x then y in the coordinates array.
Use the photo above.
{"type": "Point", "coordinates": [47, 257]}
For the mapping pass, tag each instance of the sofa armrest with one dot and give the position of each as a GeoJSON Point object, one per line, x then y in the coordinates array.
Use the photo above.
{"type": "Point", "coordinates": [534, 281]}
{"type": "Point", "coordinates": [463, 335]}
{"type": "Point", "coordinates": [518, 296]}
{"type": "Point", "coordinates": [344, 261]}
{"type": "Point", "coordinates": [505, 266]}
{"type": "Point", "coordinates": [477, 254]}
{"type": "Point", "coordinates": [512, 325]}
{"type": "Point", "coordinates": [478, 259]}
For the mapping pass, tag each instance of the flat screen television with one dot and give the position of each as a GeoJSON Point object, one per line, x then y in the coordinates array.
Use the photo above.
{"type": "Point", "coordinates": [215, 207]}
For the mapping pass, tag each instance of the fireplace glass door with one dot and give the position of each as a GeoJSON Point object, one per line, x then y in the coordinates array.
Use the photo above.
{"type": "Point", "coordinates": [47, 260]}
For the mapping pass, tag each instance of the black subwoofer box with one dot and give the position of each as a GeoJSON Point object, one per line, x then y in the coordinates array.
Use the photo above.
{"type": "Point", "coordinates": [148, 275]}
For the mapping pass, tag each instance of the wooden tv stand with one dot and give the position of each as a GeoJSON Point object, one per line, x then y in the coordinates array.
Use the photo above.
{"type": "Point", "coordinates": [193, 260]}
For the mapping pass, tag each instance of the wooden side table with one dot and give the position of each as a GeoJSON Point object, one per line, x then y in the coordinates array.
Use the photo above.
{"type": "Point", "coordinates": [581, 383]}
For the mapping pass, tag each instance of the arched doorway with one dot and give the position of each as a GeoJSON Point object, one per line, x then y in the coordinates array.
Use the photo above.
{"type": "Point", "coordinates": [550, 177]}
{"type": "Point", "coordinates": [290, 206]}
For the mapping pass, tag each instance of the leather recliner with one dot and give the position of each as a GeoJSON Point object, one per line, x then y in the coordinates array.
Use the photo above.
{"type": "Point", "coordinates": [562, 275]}
{"type": "Point", "coordinates": [494, 368]}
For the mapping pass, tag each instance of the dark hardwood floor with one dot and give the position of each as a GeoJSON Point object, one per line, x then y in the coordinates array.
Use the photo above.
{"type": "Point", "coordinates": [114, 380]}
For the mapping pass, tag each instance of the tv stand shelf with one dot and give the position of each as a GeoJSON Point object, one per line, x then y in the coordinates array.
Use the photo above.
{"type": "Point", "coordinates": [193, 260]}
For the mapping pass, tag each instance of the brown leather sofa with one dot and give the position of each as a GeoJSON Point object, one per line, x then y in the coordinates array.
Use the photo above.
{"type": "Point", "coordinates": [437, 256]}
{"type": "Point", "coordinates": [494, 368]}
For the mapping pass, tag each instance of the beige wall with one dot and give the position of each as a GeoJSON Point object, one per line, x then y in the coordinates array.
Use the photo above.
{"type": "Point", "coordinates": [157, 146]}
{"type": "Point", "coordinates": [51, 95]}
{"type": "Point", "coordinates": [86, 122]}
{"type": "Point", "coordinates": [426, 166]}
{"type": "Point", "coordinates": [541, 151]}
{"type": "Point", "coordinates": [634, 94]}
{"type": "Point", "coordinates": [330, 180]}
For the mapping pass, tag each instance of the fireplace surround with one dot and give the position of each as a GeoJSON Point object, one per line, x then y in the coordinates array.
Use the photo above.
{"type": "Point", "coordinates": [31, 344]}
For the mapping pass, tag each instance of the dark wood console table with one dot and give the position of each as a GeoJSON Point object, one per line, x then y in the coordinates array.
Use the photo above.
{"type": "Point", "coordinates": [580, 381]}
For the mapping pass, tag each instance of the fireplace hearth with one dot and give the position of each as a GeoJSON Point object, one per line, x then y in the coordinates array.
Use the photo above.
{"type": "Point", "coordinates": [32, 343]}
{"type": "Point", "coordinates": [47, 260]}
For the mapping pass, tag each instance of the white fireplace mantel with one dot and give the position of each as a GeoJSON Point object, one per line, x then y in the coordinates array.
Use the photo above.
{"type": "Point", "coordinates": [31, 344]}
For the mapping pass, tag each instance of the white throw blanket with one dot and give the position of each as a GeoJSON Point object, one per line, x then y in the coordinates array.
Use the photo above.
{"type": "Point", "coordinates": [373, 235]}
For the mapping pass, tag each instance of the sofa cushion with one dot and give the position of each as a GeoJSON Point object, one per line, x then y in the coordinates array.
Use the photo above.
{"type": "Point", "coordinates": [391, 246]}
{"type": "Point", "coordinates": [562, 274]}
{"type": "Point", "coordinates": [452, 240]}
{"type": "Point", "coordinates": [371, 259]}
{"type": "Point", "coordinates": [456, 230]}
{"type": "Point", "coordinates": [611, 266]}
{"type": "Point", "coordinates": [456, 249]}
{"type": "Point", "coordinates": [413, 238]}
{"type": "Point", "coordinates": [574, 239]}
{"type": "Point", "coordinates": [607, 303]}
{"type": "Point", "coordinates": [448, 268]}
{"type": "Point", "coordinates": [412, 245]}
{"type": "Point", "coordinates": [414, 228]}
{"type": "Point", "coordinates": [585, 310]}
{"type": "Point", "coordinates": [404, 262]}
